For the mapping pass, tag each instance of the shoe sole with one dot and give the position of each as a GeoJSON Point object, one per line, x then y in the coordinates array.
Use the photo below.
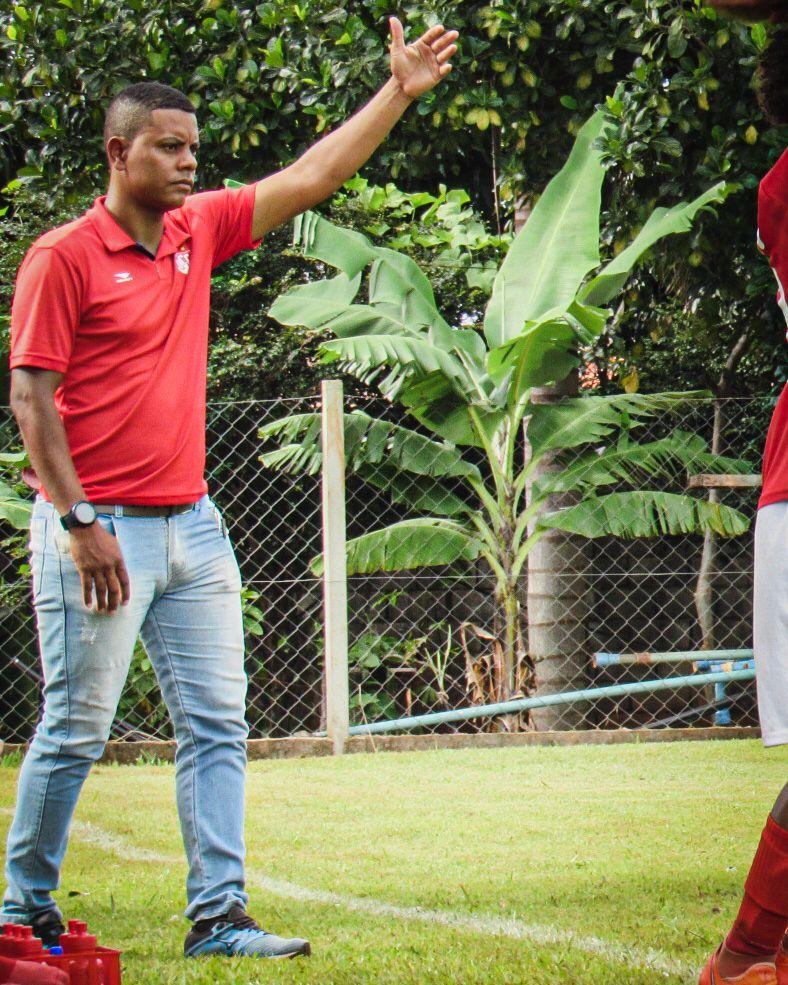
{"type": "Point", "coordinates": [304, 952]}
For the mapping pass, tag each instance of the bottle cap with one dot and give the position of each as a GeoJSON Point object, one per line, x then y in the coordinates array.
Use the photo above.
{"type": "Point", "coordinates": [77, 938]}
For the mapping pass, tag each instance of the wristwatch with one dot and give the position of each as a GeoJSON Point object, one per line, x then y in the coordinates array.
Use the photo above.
{"type": "Point", "coordinates": [81, 514]}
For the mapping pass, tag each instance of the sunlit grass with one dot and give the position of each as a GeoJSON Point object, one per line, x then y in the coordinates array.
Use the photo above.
{"type": "Point", "coordinates": [642, 846]}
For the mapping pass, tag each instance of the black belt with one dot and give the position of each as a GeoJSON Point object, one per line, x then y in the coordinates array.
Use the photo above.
{"type": "Point", "coordinates": [118, 509]}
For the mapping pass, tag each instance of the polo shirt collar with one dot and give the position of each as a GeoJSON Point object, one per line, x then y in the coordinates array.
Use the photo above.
{"type": "Point", "coordinates": [174, 237]}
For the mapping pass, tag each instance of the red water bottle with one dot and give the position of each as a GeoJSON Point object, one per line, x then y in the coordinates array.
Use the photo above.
{"type": "Point", "coordinates": [78, 942]}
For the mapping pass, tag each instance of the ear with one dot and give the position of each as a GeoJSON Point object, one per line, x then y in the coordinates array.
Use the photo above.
{"type": "Point", "coordinates": [117, 151]}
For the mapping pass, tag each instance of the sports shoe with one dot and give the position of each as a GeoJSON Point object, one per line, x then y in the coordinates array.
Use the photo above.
{"type": "Point", "coordinates": [237, 934]}
{"type": "Point", "coordinates": [763, 973]}
{"type": "Point", "coordinates": [47, 926]}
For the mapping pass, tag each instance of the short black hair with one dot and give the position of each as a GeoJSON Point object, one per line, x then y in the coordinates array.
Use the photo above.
{"type": "Point", "coordinates": [130, 110]}
{"type": "Point", "coordinates": [772, 77]}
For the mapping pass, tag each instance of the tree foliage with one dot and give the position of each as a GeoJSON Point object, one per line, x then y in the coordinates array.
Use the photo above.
{"type": "Point", "coordinates": [269, 79]}
{"type": "Point", "coordinates": [471, 388]}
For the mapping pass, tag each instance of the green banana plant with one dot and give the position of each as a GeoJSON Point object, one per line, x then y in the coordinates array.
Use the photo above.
{"type": "Point", "coordinates": [14, 509]}
{"type": "Point", "coordinates": [472, 494]}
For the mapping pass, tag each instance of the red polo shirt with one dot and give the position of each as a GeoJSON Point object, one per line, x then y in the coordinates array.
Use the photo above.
{"type": "Point", "coordinates": [129, 332]}
{"type": "Point", "coordinates": [773, 242]}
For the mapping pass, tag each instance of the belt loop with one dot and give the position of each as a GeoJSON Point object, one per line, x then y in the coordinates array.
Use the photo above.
{"type": "Point", "coordinates": [118, 511]}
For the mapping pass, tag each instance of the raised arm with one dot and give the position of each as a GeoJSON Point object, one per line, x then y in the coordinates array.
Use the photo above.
{"type": "Point", "coordinates": [415, 68]}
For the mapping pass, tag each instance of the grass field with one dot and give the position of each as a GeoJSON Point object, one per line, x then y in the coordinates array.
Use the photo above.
{"type": "Point", "coordinates": [611, 865]}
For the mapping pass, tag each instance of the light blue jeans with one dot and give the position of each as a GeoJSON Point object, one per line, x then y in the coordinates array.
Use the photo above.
{"type": "Point", "coordinates": [185, 604]}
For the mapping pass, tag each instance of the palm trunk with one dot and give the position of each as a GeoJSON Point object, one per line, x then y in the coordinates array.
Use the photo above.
{"type": "Point", "coordinates": [557, 601]}
{"type": "Point", "coordinates": [556, 659]}
{"type": "Point", "coordinates": [513, 671]}
{"type": "Point", "coordinates": [704, 594]}
{"type": "Point", "coordinates": [515, 675]}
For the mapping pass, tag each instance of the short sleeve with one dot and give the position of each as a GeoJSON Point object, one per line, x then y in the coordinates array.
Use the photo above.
{"type": "Point", "coordinates": [773, 212]}
{"type": "Point", "coordinates": [772, 227]}
{"type": "Point", "coordinates": [45, 311]}
{"type": "Point", "coordinates": [228, 213]}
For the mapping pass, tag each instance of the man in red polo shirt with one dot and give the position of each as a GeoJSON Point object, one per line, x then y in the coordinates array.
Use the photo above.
{"type": "Point", "coordinates": [751, 953]}
{"type": "Point", "coordinates": [109, 337]}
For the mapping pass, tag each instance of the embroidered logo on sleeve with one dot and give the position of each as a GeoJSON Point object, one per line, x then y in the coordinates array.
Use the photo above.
{"type": "Point", "coordinates": [182, 261]}
{"type": "Point", "coordinates": [123, 277]}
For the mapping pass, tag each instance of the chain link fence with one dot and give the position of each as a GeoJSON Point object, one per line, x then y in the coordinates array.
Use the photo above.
{"type": "Point", "coordinates": [429, 639]}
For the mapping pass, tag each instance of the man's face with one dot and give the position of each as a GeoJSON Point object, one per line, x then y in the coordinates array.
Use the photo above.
{"type": "Point", "coordinates": [159, 164]}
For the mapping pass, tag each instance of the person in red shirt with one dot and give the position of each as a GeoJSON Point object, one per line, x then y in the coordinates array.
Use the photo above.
{"type": "Point", "coordinates": [751, 953]}
{"type": "Point", "coordinates": [109, 333]}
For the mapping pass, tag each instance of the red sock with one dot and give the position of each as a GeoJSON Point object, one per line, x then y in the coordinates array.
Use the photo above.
{"type": "Point", "coordinates": [763, 916]}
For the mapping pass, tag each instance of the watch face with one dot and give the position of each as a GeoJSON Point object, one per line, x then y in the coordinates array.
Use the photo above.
{"type": "Point", "coordinates": [84, 513]}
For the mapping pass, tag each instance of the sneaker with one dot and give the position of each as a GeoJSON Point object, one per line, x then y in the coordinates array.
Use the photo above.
{"type": "Point", "coordinates": [236, 934]}
{"type": "Point", "coordinates": [763, 973]}
{"type": "Point", "coordinates": [47, 926]}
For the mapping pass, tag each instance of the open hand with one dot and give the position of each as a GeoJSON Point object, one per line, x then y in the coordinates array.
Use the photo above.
{"type": "Point", "coordinates": [97, 555]}
{"type": "Point", "coordinates": [421, 65]}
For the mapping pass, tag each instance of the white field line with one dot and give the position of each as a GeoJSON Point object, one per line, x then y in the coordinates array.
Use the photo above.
{"type": "Point", "coordinates": [490, 926]}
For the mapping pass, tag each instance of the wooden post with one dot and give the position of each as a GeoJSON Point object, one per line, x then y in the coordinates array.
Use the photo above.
{"type": "Point", "coordinates": [335, 565]}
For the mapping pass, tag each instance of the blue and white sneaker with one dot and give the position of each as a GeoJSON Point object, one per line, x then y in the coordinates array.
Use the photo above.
{"type": "Point", "coordinates": [235, 934]}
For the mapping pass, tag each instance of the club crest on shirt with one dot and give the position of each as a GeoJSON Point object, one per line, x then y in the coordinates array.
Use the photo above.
{"type": "Point", "coordinates": [182, 261]}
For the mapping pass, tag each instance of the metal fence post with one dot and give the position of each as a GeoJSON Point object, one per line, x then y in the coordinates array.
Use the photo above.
{"type": "Point", "coordinates": [335, 565]}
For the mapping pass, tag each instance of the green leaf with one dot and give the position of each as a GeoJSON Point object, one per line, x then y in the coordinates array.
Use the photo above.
{"type": "Point", "coordinates": [662, 222]}
{"type": "Point", "coordinates": [584, 420]}
{"type": "Point", "coordinates": [435, 403]}
{"type": "Point", "coordinates": [646, 514]}
{"type": "Point", "coordinates": [366, 321]}
{"type": "Point", "coordinates": [369, 442]}
{"type": "Point", "coordinates": [557, 247]}
{"type": "Point", "coordinates": [364, 355]}
{"type": "Point", "coordinates": [544, 353]}
{"type": "Point", "coordinates": [420, 495]}
{"type": "Point", "coordinates": [634, 463]}
{"type": "Point", "coordinates": [13, 508]}
{"type": "Point", "coordinates": [17, 459]}
{"type": "Point", "coordinates": [345, 249]}
{"type": "Point", "coordinates": [395, 275]}
{"type": "Point", "coordinates": [426, 542]}
{"type": "Point", "coordinates": [314, 304]}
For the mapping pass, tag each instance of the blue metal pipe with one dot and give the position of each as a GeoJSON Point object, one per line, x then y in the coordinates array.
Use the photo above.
{"type": "Point", "coordinates": [544, 701]}
{"type": "Point", "coordinates": [675, 656]}
{"type": "Point", "coordinates": [710, 666]}
{"type": "Point", "coordinates": [722, 716]}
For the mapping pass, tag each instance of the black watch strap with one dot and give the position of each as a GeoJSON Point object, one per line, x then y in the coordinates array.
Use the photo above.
{"type": "Point", "coordinates": [81, 514]}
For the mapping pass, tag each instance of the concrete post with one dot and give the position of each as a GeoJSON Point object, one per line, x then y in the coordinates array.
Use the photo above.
{"type": "Point", "coordinates": [335, 565]}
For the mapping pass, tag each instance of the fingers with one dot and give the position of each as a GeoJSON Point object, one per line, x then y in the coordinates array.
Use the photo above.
{"type": "Point", "coordinates": [432, 34]}
{"type": "Point", "coordinates": [397, 33]}
{"type": "Point", "coordinates": [100, 582]}
{"type": "Point", "coordinates": [112, 589]}
{"type": "Point", "coordinates": [87, 588]}
{"type": "Point", "coordinates": [114, 592]}
{"type": "Point", "coordinates": [125, 584]}
{"type": "Point", "coordinates": [446, 54]}
{"type": "Point", "coordinates": [444, 41]}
